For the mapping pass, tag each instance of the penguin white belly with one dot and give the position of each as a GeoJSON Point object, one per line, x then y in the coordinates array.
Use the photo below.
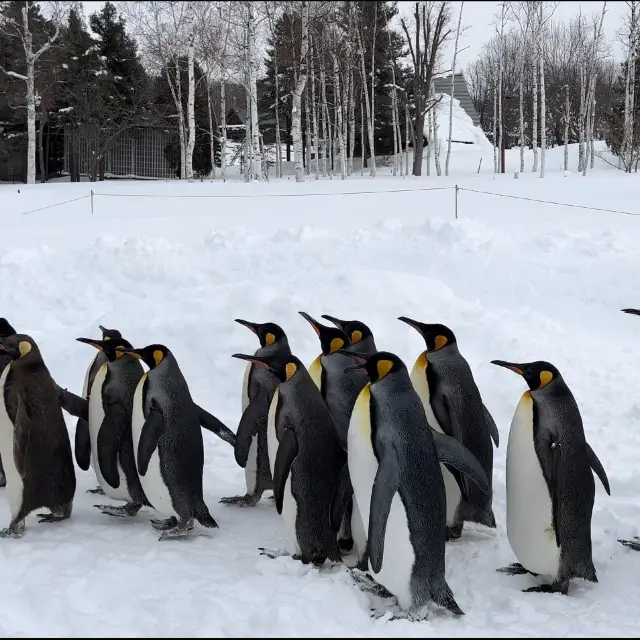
{"type": "Point", "coordinates": [358, 532]}
{"type": "Point", "coordinates": [14, 479]}
{"type": "Point", "coordinates": [152, 482]}
{"type": "Point", "coordinates": [398, 557]}
{"type": "Point", "coordinates": [251, 468]}
{"type": "Point", "coordinates": [245, 387]}
{"type": "Point", "coordinates": [85, 394]}
{"type": "Point", "coordinates": [96, 416]}
{"type": "Point", "coordinates": [272, 438]}
{"type": "Point", "coordinates": [529, 508]}
{"type": "Point", "coordinates": [290, 513]}
{"type": "Point", "coordinates": [451, 487]}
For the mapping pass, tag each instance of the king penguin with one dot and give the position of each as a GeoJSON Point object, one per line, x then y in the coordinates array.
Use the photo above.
{"type": "Point", "coordinates": [82, 444]}
{"type": "Point", "coordinates": [444, 381]}
{"type": "Point", "coordinates": [308, 462]}
{"type": "Point", "coordinates": [251, 451]}
{"type": "Point", "coordinates": [6, 330]}
{"type": "Point", "coordinates": [34, 441]}
{"type": "Point", "coordinates": [110, 410]}
{"type": "Point", "coordinates": [361, 337]}
{"type": "Point", "coordinates": [398, 485]}
{"type": "Point", "coordinates": [550, 486]}
{"type": "Point", "coordinates": [167, 443]}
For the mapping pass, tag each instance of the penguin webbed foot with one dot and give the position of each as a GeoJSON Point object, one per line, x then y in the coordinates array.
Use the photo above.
{"type": "Point", "coordinates": [555, 587]}
{"type": "Point", "coordinates": [631, 544]}
{"type": "Point", "coordinates": [247, 500]}
{"type": "Point", "coordinates": [127, 510]}
{"type": "Point", "coordinates": [58, 514]}
{"type": "Point", "coordinates": [277, 553]}
{"type": "Point", "coordinates": [164, 525]}
{"type": "Point", "coordinates": [367, 584]}
{"type": "Point", "coordinates": [515, 569]}
{"type": "Point", "coordinates": [97, 490]}
{"type": "Point", "coordinates": [14, 530]}
{"type": "Point", "coordinates": [183, 528]}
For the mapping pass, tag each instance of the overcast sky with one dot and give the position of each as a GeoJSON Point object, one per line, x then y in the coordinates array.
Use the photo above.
{"type": "Point", "coordinates": [478, 16]}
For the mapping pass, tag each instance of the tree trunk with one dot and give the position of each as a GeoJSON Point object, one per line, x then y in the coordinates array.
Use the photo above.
{"type": "Point", "coordinates": [223, 120]}
{"type": "Point", "coordinates": [567, 114]}
{"type": "Point", "coordinates": [407, 124]}
{"type": "Point", "coordinates": [453, 79]}
{"type": "Point", "coordinates": [191, 101]}
{"type": "Point", "coordinates": [543, 117]}
{"type": "Point", "coordinates": [307, 126]}
{"type": "Point", "coordinates": [581, 116]}
{"type": "Point", "coordinates": [429, 141]}
{"type": "Point", "coordinates": [296, 127]}
{"type": "Point", "coordinates": [372, 124]}
{"type": "Point", "coordinates": [436, 134]}
{"type": "Point", "coordinates": [277, 115]}
{"type": "Point", "coordinates": [212, 146]}
{"type": "Point", "coordinates": [363, 74]}
{"type": "Point", "coordinates": [534, 128]}
{"type": "Point", "coordinates": [352, 116]}
{"type": "Point", "coordinates": [362, 142]}
{"type": "Point", "coordinates": [500, 131]}
{"type": "Point", "coordinates": [339, 124]}
{"type": "Point", "coordinates": [31, 125]}
{"type": "Point", "coordinates": [43, 174]}
{"type": "Point", "coordinates": [253, 89]}
{"type": "Point", "coordinates": [495, 129]}
{"type": "Point", "coordinates": [629, 111]}
{"type": "Point", "coordinates": [314, 108]}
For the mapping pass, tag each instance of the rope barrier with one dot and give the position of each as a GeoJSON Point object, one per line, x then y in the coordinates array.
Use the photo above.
{"type": "Point", "coordinates": [57, 204]}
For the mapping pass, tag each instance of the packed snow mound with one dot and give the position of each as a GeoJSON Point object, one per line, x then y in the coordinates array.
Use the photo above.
{"type": "Point", "coordinates": [464, 131]}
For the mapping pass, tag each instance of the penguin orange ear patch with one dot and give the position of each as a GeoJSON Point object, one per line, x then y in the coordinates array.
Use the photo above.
{"type": "Point", "coordinates": [441, 341]}
{"type": "Point", "coordinates": [290, 370]}
{"type": "Point", "coordinates": [383, 367]}
{"type": "Point", "coordinates": [24, 347]}
{"type": "Point", "coordinates": [336, 343]}
{"type": "Point", "coordinates": [158, 356]}
{"type": "Point", "coordinates": [356, 336]}
{"type": "Point", "coordinates": [545, 378]}
{"type": "Point", "coordinates": [269, 339]}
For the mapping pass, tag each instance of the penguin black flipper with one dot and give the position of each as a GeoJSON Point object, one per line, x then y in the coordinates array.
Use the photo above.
{"type": "Point", "coordinates": [73, 404]}
{"type": "Point", "coordinates": [385, 487]}
{"type": "Point", "coordinates": [453, 454]}
{"type": "Point", "coordinates": [341, 497]}
{"type": "Point", "coordinates": [152, 430]}
{"type": "Point", "coordinates": [211, 423]}
{"type": "Point", "coordinates": [598, 469]}
{"type": "Point", "coordinates": [491, 425]}
{"type": "Point", "coordinates": [21, 442]}
{"type": "Point", "coordinates": [287, 452]}
{"type": "Point", "coordinates": [109, 438]}
{"type": "Point", "coordinates": [82, 444]}
{"type": "Point", "coordinates": [253, 418]}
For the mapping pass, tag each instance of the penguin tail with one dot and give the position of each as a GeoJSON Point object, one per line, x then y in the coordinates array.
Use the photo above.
{"type": "Point", "coordinates": [480, 513]}
{"type": "Point", "coordinates": [202, 515]}
{"type": "Point", "coordinates": [444, 598]}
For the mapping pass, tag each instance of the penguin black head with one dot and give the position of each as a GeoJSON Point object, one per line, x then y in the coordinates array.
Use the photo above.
{"type": "Point", "coordinates": [151, 355]}
{"type": "Point", "coordinates": [355, 329]}
{"type": "Point", "coordinates": [377, 365]}
{"type": "Point", "coordinates": [6, 329]}
{"type": "Point", "coordinates": [18, 346]}
{"type": "Point", "coordinates": [436, 336]}
{"type": "Point", "coordinates": [109, 334]}
{"type": "Point", "coordinates": [108, 346]}
{"type": "Point", "coordinates": [282, 367]}
{"type": "Point", "coordinates": [331, 338]}
{"type": "Point", "coordinates": [268, 333]}
{"type": "Point", "coordinates": [536, 374]}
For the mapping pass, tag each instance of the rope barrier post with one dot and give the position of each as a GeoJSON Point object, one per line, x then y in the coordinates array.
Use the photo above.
{"type": "Point", "coordinates": [91, 201]}
{"type": "Point", "coordinates": [456, 201]}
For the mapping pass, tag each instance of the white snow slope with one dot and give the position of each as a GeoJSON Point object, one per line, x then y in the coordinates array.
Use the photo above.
{"type": "Point", "coordinates": [515, 280]}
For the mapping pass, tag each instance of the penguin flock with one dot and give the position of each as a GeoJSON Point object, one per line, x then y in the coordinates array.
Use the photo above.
{"type": "Point", "coordinates": [361, 455]}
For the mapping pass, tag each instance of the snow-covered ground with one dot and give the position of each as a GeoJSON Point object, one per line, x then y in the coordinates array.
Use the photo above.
{"type": "Point", "coordinates": [514, 279]}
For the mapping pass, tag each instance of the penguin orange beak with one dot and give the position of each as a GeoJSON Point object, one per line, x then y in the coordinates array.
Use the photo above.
{"type": "Point", "coordinates": [94, 343]}
{"type": "Point", "coordinates": [517, 368]}
{"type": "Point", "coordinates": [339, 323]}
{"type": "Point", "coordinates": [314, 323]}
{"type": "Point", "coordinates": [255, 359]}
{"type": "Point", "coordinates": [635, 312]}
{"type": "Point", "coordinates": [132, 352]}
{"type": "Point", "coordinates": [361, 360]}
{"type": "Point", "coordinates": [252, 326]}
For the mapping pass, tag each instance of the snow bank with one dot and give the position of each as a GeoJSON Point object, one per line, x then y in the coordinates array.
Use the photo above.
{"type": "Point", "coordinates": [464, 131]}
{"type": "Point", "coordinates": [514, 280]}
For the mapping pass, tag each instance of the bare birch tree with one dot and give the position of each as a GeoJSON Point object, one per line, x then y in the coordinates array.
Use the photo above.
{"type": "Point", "coordinates": [627, 151]}
{"type": "Point", "coordinates": [296, 110]}
{"type": "Point", "coordinates": [21, 29]}
{"type": "Point", "coordinates": [368, 105]}
{"type": "Point", "coordinates": [453, 84]}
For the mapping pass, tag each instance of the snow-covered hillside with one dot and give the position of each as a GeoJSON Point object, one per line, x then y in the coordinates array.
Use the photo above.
{"type": "Point", "coordinates": [514, 279]}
